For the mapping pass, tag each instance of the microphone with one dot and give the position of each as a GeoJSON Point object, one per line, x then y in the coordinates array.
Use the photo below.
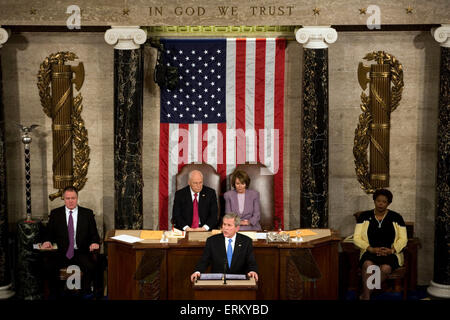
{"type": "Point", "coordinates": [225, 262]}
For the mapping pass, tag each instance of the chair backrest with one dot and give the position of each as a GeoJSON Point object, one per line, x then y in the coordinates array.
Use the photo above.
{"type": "Point", "coordinates": [263, 183]}
{"type": "Point", "coordinates": [409, 225]}
{"type": "Point", "coordinates": [210, 178]}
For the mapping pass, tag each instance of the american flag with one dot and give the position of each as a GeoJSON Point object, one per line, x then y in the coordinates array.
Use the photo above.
{"type": "Point", "coordinates": [227, 109]}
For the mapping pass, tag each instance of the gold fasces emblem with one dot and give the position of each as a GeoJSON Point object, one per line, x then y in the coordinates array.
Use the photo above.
{"type": "Point", "coordinates": [55, 83]}
{"type": "Point", "coordinates": [385, 81]}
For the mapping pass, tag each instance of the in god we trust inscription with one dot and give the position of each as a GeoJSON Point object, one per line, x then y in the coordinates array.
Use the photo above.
{"type": "Point", "coordinates": [222, 11]}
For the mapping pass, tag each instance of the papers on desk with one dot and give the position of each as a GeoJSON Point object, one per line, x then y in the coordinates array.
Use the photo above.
{"type": "Point", "coordinates": [176, 234]}
{"type": "Point", "coordinates": [151, 234]}
{"type": "Point", "coordinates": [261, 235]}
{"type": "Point", "coordinates": [219, 276]}
{"type": "Point", "coordinates": [250, 234]}
{"type": "Point", "coordinates": [302, 232]}
{"type": "Point", "coordinates": [126, 238]}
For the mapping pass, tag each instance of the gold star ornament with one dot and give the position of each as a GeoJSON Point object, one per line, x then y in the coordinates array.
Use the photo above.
{"type": "Point", "coordinates": [409, 10]}
{"type": "Point", "coordinates": [362, 11]}
{"type": "Point", "coordinates": [125, 12]}
{"type": "Point", "coordinates": [316, 11]}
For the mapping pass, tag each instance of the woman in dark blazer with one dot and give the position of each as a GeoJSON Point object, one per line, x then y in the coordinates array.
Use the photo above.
{"type": "Point", "coordinates": [243, 201]}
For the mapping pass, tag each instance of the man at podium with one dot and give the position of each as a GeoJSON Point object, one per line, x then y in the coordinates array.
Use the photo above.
{"type": "Point", "coordinates": [228, 252]}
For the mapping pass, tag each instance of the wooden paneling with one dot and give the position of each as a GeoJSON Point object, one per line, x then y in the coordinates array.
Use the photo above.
{"type": "Point", "coordinates": [121, 270]}
{"type": "Point", "coordinates": [168, 267]}
{"type": "Point", "coordinates": [269, 273]}
{"type": "Point", "coordinates": [181, 265]}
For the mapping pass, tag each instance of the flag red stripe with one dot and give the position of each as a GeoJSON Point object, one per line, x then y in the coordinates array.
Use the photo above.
{"type": "Point", "coordinates": [279, 123]}
{"type": "Point", "coordinates": [163, 175]}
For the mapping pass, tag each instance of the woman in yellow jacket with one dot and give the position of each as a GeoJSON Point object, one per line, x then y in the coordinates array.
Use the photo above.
{"type": "Point", "coordinates": [381, 235]}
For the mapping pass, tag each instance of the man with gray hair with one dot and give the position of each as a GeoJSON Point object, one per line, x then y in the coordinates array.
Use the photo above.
{"type": "Point", "coordinates": [195, 206]}
{"type": "Point", "coordinates": [228, 248]}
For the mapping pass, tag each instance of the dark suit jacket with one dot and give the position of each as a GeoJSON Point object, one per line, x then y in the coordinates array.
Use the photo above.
{"type": "Point", "coordinates": [86, 229]}
{"type": "Point", "coordinates": [215, 254]}
{"type": "Point", "coordinates": [183, 208]}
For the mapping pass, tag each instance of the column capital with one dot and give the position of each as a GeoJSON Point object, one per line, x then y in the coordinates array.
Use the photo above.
{"type": "Point", "coordinates": [316, 37]}
{"type": "Point", "coordinates": [125, 38]}
{"type": "Point", "coordinates": [3, 36]}
{"type": "Point", "coordinates": [442, 35]}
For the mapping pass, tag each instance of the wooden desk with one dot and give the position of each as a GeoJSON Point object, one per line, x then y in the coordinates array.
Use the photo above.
{"type": "Point", "coordinates": [232, 290]}
{"type": "Point", "coordinates": [162, 271]}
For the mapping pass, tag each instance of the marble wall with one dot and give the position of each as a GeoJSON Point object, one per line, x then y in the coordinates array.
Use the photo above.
{"type": "Point", "coordinates": [413, 133]}
{"type": "Point", "coordinates": [23, 56]}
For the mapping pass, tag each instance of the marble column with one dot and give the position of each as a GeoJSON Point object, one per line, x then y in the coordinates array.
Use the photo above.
{"type": "Point", "coordinates": [5, 267]}
{"type": "Point", "coordinates": [440, 286]}
{"type": "Point", "coordinates": [28, 271]}
{"type": "Point", "coordinates": [128, 101]}
{"type": "Point", "coordinates": [314, 159]}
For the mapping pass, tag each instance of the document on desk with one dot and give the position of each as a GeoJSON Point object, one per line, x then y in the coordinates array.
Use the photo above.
{"type": "Point", "coordinates": [250, 234]}
{"type": "Point", "coordinates": [151, 234]}
{"type": "Point", "coordinates": [218, 276]}
{"type": "Point", "coordinates": [127, 238]}
{"type": "Point", "coordinates": [261, 235]}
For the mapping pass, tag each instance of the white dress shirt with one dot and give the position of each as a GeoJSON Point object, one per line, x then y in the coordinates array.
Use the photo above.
{"type": "Point", "coordinates": [75, 219]}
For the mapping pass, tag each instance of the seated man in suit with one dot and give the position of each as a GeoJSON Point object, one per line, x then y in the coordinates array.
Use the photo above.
{"type": "Point", "coordinates": [230, 247]}
{"type": "Point", "coordinates": [195, 206]}
{"type": "Point", "coordinates": [74, 230]}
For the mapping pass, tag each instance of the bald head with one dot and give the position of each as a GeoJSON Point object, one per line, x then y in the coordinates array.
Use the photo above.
{"type": "Point", "coordinates": [196, 180]}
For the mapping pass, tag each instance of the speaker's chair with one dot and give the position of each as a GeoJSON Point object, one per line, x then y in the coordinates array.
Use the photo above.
{"type": "Point", "coordinates": [210, 179]}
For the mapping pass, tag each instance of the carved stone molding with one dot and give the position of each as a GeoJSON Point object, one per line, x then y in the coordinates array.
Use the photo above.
{"type": "Point", "coordinates": [125, 38]}
{"type": "Point", "coordinates": [316, 37]}
{"type": "Point", "coordinates": [3, 36]}
{"type": "Point", "coordinates": [442, 35]}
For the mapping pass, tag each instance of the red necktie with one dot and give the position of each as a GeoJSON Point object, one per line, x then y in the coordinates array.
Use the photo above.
{"type": "Point", "coordinates": [195, 218]}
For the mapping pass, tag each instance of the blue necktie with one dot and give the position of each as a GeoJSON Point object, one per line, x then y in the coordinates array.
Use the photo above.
{"type": "Point", "coordinates": [229, 252]}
